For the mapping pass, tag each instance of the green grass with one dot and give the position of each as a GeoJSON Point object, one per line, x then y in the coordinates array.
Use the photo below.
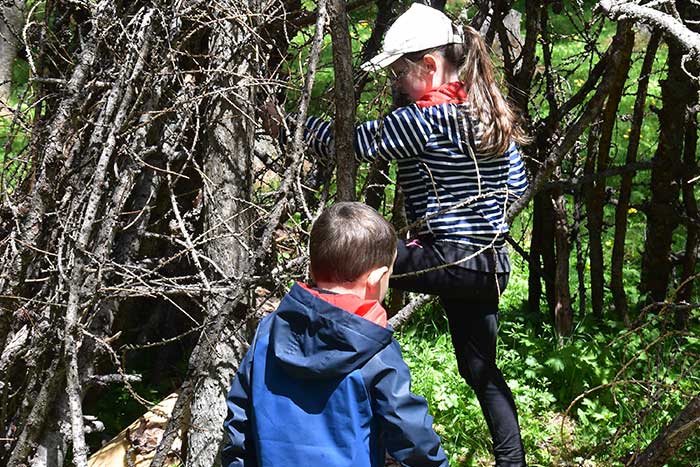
{"type": "Point", "coordinates": [546, 378]}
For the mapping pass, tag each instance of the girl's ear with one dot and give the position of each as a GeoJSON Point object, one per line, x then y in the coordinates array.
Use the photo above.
{"type": "Point", "coordinates": [430, 63]}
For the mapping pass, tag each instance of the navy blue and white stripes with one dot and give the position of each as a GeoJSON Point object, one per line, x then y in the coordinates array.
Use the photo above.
{"type": "Point", "coordinates": [451, 192]}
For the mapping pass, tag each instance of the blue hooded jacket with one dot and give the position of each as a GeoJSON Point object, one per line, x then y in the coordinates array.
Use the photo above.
{"type": "Point", "coordinates": [322, 387]}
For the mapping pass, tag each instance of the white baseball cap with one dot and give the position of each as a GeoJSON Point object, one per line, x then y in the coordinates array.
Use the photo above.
{"type": "Point", "coordinates": [420, 27]}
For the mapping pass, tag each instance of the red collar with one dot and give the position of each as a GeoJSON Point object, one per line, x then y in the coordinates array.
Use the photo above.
{"type": "Point", "coordinates": [370, 310]}
{"type": "Point", "coordinates": [449, 93]}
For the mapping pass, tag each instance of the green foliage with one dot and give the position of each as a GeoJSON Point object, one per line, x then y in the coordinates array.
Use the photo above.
{"type": "Point", "coordinates": [13, 142]}
{"type": "Point", "coordinates": [14, 134]}
{"type": "Point", "coordinates": [20, 79]}
{"type": "Point", "coordinates": [603, 393]}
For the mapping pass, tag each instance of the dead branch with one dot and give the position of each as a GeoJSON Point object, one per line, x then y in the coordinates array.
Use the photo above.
{"type": "Point", "coordinates": [662, 449]}
{"type": "Point", "coordinates": [671, 26]}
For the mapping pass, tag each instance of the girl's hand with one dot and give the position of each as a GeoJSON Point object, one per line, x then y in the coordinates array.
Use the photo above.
{"type": "Point", "coordinates": [271, 118]}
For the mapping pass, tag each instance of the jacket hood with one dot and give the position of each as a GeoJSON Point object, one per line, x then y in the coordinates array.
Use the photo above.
{"type": "Point", "coordinates": [314, 339]}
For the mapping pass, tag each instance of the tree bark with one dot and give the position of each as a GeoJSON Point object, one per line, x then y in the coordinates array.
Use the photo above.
{"type": "Point", "coordinates": [559, 145]}
{"type": "Point", "coordinates": [622, 209]}
{"type": "Point", "coordinates": [662, 218]}
{"type": "Point", "coordinates": [42, 403]}
{"type": "Point", "coordinates": [79, 274]}
{"type": "Point", "coordinates": [549, 259]}
{"type": "Point", "coordinates": [624, 38]}
{"type": "Point", "coordinates": [563, 315]}
{"type": "Point", "coordinates": [385, 16]}
{"type": "Point", "coordinates": [227, 218]}
{"type": "Point", "coordinates": [670, 25]}
{"type": "Point", "coordinates": [662, 449]}
{"type": "Point", "coordinates": [344, 122]}
{"type": "Point", "coordinates": [546, 203]}
{"type": "Point", "coordinates": [580, 254]}
{"type": "Point", "coordinates": [519, 90]}
{"type": "Point", "coordinates": [110, 218]}
{"type": "Point", "coordinates": [11, 18]}
{"type": "Point", "coordinates": [31, 222]}
{"type": "Point", "coordinates": [691, 13]}
{"type": "Point", "coordinates": [592, 146]}
{"type": "Point", "coordinates": [377, 179]}
{"type": "Point", "coordinates": [690, 259]}
{"type": "Point", "coordinates": [534, 278]}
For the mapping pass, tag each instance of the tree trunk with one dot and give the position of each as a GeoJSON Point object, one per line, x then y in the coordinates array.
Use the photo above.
{"type": "Point", "coordinates": [690, 166]}
{"type": "Point", "coordinates": [125, 199]}
{"type": "Point", "coordinates": [596, 201]}
{"type": "Point", "coordinates": [38, 199]}
{"type": "Point", "coordinates": [546, 203]}
{"type": "Point", "coordinates": [400, 223]}
{"type": "Point", "coordinates": [11, 18]}
{"type": "Point", "coordinates": [662, 449]}
{"type": "Point", "coordinates": [549, 260]}
{"type": "Point", "coordinates": [377, 179]}
{"type": "Point", "coordinates": [622, 209]}
{"type": "Point", "coordinates": [534, 278]}
{"type": "Point", "coordinates": [519, 91]}
{"type": "Point", "coordinates": [227, 217]}
{"type": "Point", "coordinates": [563, 315]}
{"type": "Point", "coordinates": [588, 190]}
{"type": "Point", "coordinates": [344, 122]}
{"type": "Point", "coordinates": [662, 218]}
{"type": "Point", "coordinates": [385, 16]}
{"type": "Point", "coordinates": [580, 254]}
{"type": "Point", "coordinates": [542, 259]}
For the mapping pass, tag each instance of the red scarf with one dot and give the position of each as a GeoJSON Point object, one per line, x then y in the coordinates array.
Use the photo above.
{"type": "Point", "coordinates": [449, 93]}
{"type": "Point", "coordinates": [370, 310]}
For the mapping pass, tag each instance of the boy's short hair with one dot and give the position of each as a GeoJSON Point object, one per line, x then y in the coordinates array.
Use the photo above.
{"type": "Point", "coordinates": [347, 240]}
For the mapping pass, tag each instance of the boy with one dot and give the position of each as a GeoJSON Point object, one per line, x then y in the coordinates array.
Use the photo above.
{"type": "Point", "coordinates": [323, 383]}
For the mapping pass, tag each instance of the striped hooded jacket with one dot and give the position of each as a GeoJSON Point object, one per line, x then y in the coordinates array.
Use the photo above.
{"type": "Point", "coordinates": [452, 192]}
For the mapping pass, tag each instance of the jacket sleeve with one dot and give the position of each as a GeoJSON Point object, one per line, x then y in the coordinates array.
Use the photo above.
{"type": "Point", "coordinates": [406, 423]}
{"type": "Point", "coordinates": [239, 450]}
{"type": "Point", "coordinates": [517, 178]}
{"type": "Point", "coordinates": [401, 134]}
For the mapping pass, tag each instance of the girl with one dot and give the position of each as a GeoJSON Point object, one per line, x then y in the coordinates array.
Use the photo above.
{"type": "Point", "coordinates": [459, 169]}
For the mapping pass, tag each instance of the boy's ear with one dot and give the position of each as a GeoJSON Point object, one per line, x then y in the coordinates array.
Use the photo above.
{"type": "Point", "coordinates": [376, 275]}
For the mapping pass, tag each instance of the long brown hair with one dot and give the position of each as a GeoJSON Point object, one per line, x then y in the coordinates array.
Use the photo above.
{"type": "Point", "coordinates": [499, 122]}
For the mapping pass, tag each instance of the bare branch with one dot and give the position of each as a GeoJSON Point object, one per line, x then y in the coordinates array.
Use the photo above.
{"type": "Point", "coordinates": [670, 25]}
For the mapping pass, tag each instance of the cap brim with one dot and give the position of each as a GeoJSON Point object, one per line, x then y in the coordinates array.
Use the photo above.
{"type": "Point", "coordinates": [380, 61]}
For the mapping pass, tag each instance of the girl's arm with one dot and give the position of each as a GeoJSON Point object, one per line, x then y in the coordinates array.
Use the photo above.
{"type": "Point", "coordinates": [401, 134]}
{"type": "Point", "coordinates": [517, 178]}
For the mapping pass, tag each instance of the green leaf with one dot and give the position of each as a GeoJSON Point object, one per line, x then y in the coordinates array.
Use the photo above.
{"type": "Point", "coordinates": [556, 364]}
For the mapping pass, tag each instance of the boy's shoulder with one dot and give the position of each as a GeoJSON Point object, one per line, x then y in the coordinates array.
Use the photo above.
{"type": "Point", "coordinates": [388, 358]}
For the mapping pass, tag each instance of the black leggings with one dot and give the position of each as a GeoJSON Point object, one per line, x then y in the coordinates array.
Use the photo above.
{"type": "Point", "coordinates": [470, 299]}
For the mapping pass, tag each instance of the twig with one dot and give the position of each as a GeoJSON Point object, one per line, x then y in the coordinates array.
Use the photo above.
{"type": "Point", "coordinates": [405, 313]}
